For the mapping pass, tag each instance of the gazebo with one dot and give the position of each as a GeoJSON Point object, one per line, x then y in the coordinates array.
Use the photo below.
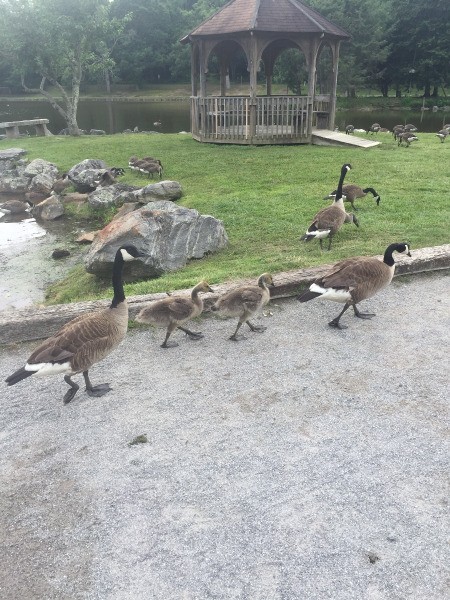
{"type": "Point", "coordinates": [262, 30]}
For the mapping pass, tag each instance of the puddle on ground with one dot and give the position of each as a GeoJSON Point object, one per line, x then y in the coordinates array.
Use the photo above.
{"type": "Point", "coordinates": [26, 265]}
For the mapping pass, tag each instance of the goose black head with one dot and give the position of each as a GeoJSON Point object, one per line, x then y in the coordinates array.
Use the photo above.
{"type": "Point", "coordinates": [403, 249]}
{"type": "Point", "coordinates": [346, 167]}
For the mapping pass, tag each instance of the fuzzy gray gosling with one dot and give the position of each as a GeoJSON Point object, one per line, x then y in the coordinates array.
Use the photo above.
{"type": "Point", "coordinates": [244, 302]}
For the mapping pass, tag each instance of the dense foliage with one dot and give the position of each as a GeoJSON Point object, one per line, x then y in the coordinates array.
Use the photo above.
{"type": "Point", "coordinates": [395, 44]}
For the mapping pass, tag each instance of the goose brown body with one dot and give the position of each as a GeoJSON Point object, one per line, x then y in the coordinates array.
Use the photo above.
{"type": "Point", "coordinates": [355, 279]}
{"type": "Point", "coordinates": [244, 302]}
{"type": "Point", "coordinates": [84, 341]}
{"type": "Point", "coordinates": [174, 311]}
{"type": "Point", "coordinates": [352, 192]}
{"type": "Point", "coordinates": [329, 220]}
{"type": "Point", "coordinates": [14, 206]}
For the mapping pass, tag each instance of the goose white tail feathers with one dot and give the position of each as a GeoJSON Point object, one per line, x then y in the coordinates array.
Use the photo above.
{"type": "Point", "coordinates": [355, 279]}
{"type": "Point", "coordinates": [316, 235]}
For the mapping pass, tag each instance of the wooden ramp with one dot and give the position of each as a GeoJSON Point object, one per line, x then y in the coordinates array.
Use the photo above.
{"type": "Point", "coordinates": [326, 137]}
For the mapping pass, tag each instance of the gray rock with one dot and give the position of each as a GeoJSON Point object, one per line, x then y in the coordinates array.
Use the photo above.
{"type": "Point", "coordinates": [84, 183]}
{"type": "Point", "coordinates": [12, 153]}
{"type": "Point", "coordinates": [39, 166]}
{"type": "Point", "coordinates": [10, 183]}
{"type": "Point", "coordinates": [112, 195]}
{"type": "Point", "coordinates": [163, 190]}
{"type": "Point", "coordinates": [48, 210]}
{"type": "Point", "coordinates": [168, 235]}
{"type": "Point", "coordinates": [42, 183]}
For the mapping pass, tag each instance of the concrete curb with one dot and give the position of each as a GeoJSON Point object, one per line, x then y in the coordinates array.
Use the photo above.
{"type": "Point", "coordinates": [36, 323]}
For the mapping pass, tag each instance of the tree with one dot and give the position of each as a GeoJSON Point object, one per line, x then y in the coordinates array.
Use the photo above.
{"type": "Point", "coordinates": [420, 44]}
{"type": "Point", "coordinates": [60, 42]}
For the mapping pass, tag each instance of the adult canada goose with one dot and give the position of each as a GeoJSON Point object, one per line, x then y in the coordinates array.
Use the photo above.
{"type": "Point", "coordinates": [351, 192]}
{"type": "Point", "coordinates": [329, 220]}
{"type": "Point", "coordinates": [244, 302]}
{"type": "Point", "coordinates": [410, 127]}
{"type": "Point", "coordinates": [397, 130]}
{"type": "Point", "coordinates": [85, 340]}
{"type": "Point", "coordinates": [354, 279]}
{"type": "Point", "coordinates": [106, 178]}
{"type": "Point", "coordinates": [12, 207]}
{"type": "Point", "coordinates": [374, 128]}
{"type": "Point", "coordinates": [442, 134]}
{"type": "Point", "coordinates": [407, 137]}
{"type": "Point", "coordinates": [350, 129]}
{"type": "Point", "coordinates": [173, 311]}
{"type": "Point", "coordinates": [152, 167]}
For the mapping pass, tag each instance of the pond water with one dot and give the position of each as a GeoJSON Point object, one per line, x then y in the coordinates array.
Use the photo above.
{"type": "Point", "coordinates": [26, 265]}
{"type": "Point", "coordinates": [173, 116]}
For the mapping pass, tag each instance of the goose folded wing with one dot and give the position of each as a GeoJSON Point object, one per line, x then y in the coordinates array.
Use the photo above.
{"type": "Point", "coordinates": [179, 308]}
{"type": "Point", "coordinates": [350, 273]}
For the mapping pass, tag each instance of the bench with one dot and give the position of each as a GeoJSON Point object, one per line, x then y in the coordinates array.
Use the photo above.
{"type": "Point", "coordinates": [12, 127]}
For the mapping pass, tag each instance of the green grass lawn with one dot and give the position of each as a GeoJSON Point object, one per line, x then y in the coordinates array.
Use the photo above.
{"type": "Point", "coordinates": [267, 197]}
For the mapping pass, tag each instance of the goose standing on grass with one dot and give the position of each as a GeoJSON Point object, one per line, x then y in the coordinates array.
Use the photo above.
{"type": "Point", "coordinates": [351, 192]}
{"type": "Point", "coordinates": [173, 311]}
{"type": "Point", "coordinates": [442, 134]}
{"type": "Point", "coordinates": [354, 279]}
{"type": "Point", "coordinates": [407, 137]}
{"type": "Point", "coordinates": [329, 220]}
{"type": "Point", "coordinates": [350, 129]}
{"type": "Point", "coordinates": [85, 340]}
{"type": "Point", "coordinates": [244, 302]}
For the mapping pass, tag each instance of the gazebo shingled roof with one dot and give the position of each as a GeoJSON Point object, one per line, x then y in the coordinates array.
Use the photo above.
{"type": "Point", "coordinates": [278, 16]}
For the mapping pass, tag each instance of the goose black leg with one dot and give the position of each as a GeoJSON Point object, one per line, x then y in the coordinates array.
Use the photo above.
{"type": "Point", "coordinates": [194, 335]}
{"type": "Point", "coordinates": [234, 337]}
{"type": "Point", "coordinates": [68, 396]}
{"type": "Point", "coordinates": [361, 315]}
{"type": "Point", "coordinates": [170, 329]}
{"type": "Point", "coordinates": [98, 390]}
{"type": "Point", "coordinates": [335, 321]}
{"type": "Point", "coordinates": [259, 328]}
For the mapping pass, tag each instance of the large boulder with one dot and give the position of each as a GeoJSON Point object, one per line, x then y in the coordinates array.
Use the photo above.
{"type": "Point", "coordinates": [39, 166]}
{"type": "Point", "coordinates": [84, 174]}
{"type": "Point", "coordinates": [168, 235]}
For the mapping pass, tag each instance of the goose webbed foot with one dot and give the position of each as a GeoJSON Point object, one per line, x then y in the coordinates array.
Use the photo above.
{"type": "Point", "coordinates": [69, 395]}
{"type": "Point", "coordinates": [335, 323]}
{"type": "Point", "coordinates": [194, 335]}
{"type": "Point", "coordinates": [167, 344]}
{"type": "Point", "coordinates": [99, 390]}
{"type": "Point", "coordinates": [95, 390]}
{"type": "Point", "coordinates": [237, 338]}
{"type": "Point", "coordinates": [256, 328]}
{"type": "Point", "coordinates": [361, 315]}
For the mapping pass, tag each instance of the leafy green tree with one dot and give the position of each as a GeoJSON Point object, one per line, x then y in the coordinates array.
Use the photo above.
{"type": "Point", "coordinates": [60, 41]}
{"type": "Point", "coordinates": [419, 44]}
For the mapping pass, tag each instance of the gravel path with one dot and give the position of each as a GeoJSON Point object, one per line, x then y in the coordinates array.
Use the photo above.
{"type": "Point", "coordinates": [302, 463]}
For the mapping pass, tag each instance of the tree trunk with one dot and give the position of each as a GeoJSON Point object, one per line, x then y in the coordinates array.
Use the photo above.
{"type": "Point", "coordinates": [435, 93]}
{"type": "Point", "coordinates": [427, 91]}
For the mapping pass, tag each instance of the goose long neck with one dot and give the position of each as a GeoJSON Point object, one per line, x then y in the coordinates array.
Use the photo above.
{"type": "Point", "coordinates": [340, 185]}
{"type": "Point", "coordinates": [262, 283]}
{"type": "Point", "coordinates": [196, 299]}
{"type": "Point", "coordinates": [117, 281]}
{"type": "Point", "coordinates": [388, 258]}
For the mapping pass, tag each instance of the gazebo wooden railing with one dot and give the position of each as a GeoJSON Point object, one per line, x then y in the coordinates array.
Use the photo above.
{"type": "Point", "coordinates": [262, 120]}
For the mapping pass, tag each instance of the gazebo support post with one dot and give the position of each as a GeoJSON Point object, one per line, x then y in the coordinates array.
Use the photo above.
{"type": "Point", "coordinates": [332, 115]}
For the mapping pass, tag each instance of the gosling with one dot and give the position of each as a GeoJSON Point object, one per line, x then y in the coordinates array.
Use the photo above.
{"type": "Point", "coordinates": [173, 311]}
{"type": "Point", "coordinates": [244, 302]}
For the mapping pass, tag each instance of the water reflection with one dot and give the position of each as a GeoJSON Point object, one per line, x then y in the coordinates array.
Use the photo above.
{"type": "Point", "coordinates": [173, 116]}
{"type": "Point", "coordinates": [26, 266]}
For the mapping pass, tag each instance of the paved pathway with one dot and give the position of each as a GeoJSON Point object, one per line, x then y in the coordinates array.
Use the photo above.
{"type": "Point", "coordinates": [302, 463]}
